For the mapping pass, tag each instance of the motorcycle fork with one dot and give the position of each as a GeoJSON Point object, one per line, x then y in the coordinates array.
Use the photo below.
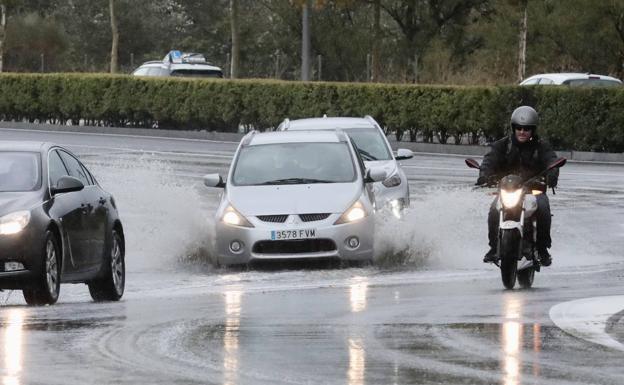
{"type": "Point", "coordinates": [521, 230]}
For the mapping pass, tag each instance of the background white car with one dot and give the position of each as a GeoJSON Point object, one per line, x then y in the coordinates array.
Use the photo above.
{"type": "Point", "coordinates": [181, 64]}
{"type": "Point", "coordinates": [375, 150]}
{"type": "Point", "coordinates": [572, 79]}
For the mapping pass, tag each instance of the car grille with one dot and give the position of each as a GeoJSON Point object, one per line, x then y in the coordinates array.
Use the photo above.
{"type": "Point", "coordinates": [273, 218]}
{"type": "Point", "coordinates": [295, 246]}
{"type": "Point", "coordinates": [313, 217]}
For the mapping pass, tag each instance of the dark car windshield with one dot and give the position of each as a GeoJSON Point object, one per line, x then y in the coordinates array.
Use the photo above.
{"type": "Point", "coordinates": [294, 163]}
{"type": "Point", "coordinates": [370, 142]}
{"type": "Point", "coordinates": [198, 73]}
{"type": "Point", "coordinates": [19, 171]}
{"type": "Point", "coordinates": [592, 83]}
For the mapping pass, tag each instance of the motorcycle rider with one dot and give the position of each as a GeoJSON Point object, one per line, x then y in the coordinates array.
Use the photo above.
{"type": "Point", "coordinates": [521, 153]}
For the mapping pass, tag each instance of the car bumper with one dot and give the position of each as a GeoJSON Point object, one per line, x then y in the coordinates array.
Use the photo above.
{"type": "Point", "coordinates": [330, 241]}
{"type": "Point", "coordinates": [23, 249]}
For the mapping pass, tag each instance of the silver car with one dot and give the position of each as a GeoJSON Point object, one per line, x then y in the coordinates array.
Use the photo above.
{"type": "Point", "coordinates": [295, 195]}
{"type": "Point", "coordinates": [371, 142]}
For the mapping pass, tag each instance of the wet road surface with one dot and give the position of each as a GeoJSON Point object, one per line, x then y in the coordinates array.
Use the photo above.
{"type": "Point", "coordinates": [428, 312]}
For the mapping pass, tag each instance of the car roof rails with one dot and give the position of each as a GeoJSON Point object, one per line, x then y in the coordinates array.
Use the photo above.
{"type": "Point", "coordinates": [284, 125]}
{"type": "Point", "coordinates": [179, 57]}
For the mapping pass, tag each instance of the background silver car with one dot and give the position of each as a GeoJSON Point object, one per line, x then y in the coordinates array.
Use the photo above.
{"type": "Point", "coordinates": [371, 142]}
{"type": "Point", "coordinates": [295, 195]}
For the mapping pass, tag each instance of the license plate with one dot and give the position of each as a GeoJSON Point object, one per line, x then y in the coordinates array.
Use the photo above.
{"type": "Point", "coordinates": [278, 235]}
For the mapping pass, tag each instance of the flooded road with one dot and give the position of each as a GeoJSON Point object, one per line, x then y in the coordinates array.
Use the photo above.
{"type": "Point", "coordinates": [428, 311]}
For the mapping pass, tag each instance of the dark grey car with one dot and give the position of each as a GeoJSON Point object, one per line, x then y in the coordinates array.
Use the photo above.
{"type": "Point", "coordinates": [57, 225]}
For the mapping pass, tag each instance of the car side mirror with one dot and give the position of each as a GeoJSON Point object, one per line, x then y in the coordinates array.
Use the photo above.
{"type": "Point", "coordinates": [472, 163]}
{"type": "Point", "coordinates": [375, 174]}
{"type": "Point", "coordinates": [214, 180]}
{"type": "Point", "coordinates": [67, 184]}
{"type": "Point", "coordinates": [403, 154]}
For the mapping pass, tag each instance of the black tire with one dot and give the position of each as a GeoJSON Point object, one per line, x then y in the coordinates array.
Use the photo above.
{"type": "Point", "coordinates": [525, 277]}
{"type": "Point", "coordinates": [47, 286]}
{"type": "Point", "coordinates": [110, 287]}
{"type": "Point", "coordinates": [509, 251]}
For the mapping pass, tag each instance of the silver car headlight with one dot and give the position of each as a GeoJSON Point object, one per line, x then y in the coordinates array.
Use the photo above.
{"type": "Point", "coordinates": [510, 199]}
{"type": "Point", "coordinates": [233, 218]}
{"type": "Point", "coordinates": [353, 214]}
{"type": "Point", "coordinates": [393, 181]}
{"type": "Point", "coordinates": [14, 223]}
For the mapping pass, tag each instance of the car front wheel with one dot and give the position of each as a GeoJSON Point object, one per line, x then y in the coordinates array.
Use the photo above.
{"type": "Point", "coordinates": [48, 284]}
{"type": "Point", "coordinates": [111, 286]}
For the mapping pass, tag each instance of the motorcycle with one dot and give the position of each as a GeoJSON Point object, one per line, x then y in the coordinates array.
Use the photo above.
{"type": "Point", "coordinates": [517, 204]}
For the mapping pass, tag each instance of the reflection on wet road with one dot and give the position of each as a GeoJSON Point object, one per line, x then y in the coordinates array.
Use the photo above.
{"type": "Point", "coordinates": [435, 317]}
{"type": "Point", "coordinates": [13, 344]}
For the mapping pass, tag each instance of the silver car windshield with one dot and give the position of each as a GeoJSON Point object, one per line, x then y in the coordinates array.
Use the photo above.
{"type": "Point", "coordinates": [19, 171]}
{"type": "Point", "coordinates": [370, 143]}
{"type": "Point", "coordinates": [294, 163]}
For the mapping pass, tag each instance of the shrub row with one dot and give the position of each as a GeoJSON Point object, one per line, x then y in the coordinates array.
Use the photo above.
{"type": "Point", "coordinates": [578, 119]}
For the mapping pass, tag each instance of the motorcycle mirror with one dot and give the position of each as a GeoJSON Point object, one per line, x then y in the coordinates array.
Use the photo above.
{"type": "Point", "coordinates": [558, 163]}
{"type": "Point", "coordinates": [472, 163]}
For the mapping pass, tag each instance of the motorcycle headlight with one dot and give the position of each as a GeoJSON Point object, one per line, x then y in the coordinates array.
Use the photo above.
{"type": "Point", "coordinates": [234, 218]}
{"type": "Point", "coordinates": [393, 181]}
{"type": "Point", "coordinates": [354, 214]}
{"type": "Point", "coordinates": [14, 223]}
{"type": "Point", "coordinates": [510, 198]}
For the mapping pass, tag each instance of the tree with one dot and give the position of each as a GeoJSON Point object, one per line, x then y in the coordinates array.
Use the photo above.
{"type": "Point", "coordinates": [376, 59]}
{"type": "Point", "coordinates": [5, 5]}
{"type": "Point", "coordinates": [114, 60]}
{"type": "Point", "coordinates": [421, 21]}
{"type": "Point", "coordinates": [235, 58]}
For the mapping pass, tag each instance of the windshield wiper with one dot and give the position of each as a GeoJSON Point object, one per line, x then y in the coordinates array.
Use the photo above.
{"type": "Point", "coordinates": [366, 155]}
{"type": "Point", "coordinates": [296, 181]}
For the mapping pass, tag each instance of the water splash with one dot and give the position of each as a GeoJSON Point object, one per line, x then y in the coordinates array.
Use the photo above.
{"type": "Point", "coordinates": [167, 219]}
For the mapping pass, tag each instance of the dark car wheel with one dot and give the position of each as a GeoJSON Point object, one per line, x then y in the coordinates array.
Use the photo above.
{"type": "Point", "coordinates": [111, 286]}
{"type": "Point", "coordinates": [48, 284]}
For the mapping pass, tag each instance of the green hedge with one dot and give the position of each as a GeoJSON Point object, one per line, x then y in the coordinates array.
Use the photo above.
{"type": "Point", "coordinates": [578, 119]}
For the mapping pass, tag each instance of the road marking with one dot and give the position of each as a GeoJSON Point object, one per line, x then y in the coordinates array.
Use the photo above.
{"type": "Point", "coordinates": [587, 318]}
{"type": "Point", "coordinates": [119, 135]}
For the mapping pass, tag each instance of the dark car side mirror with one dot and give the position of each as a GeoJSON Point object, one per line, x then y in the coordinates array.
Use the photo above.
{"type": "Point", "coordinates": [67, 184]}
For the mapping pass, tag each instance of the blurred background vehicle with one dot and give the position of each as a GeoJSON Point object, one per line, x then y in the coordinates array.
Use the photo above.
{"type": "Point", "coordinates": [572, 80]}
{"type": "Point", "coordinates": [180, 64]}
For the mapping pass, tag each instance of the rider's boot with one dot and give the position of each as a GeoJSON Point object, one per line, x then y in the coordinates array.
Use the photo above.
{"type": "Point", "coordinates": [490, 256]}
{"type": "Point", "coordinates": [544, 257]}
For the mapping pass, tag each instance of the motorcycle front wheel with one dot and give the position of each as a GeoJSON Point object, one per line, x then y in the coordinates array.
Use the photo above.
{"type": "Point", "coordinates": [509, 250]}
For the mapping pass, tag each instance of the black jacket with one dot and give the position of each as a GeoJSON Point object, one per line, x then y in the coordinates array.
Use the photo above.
{"type": "Point", "coordinates": [507, 156]}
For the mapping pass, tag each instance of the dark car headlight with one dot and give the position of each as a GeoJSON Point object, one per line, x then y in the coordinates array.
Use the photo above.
{"type": "Point", "coordinates": [393, 181]}
{"type": "Point", "coordinates": [14, 223]}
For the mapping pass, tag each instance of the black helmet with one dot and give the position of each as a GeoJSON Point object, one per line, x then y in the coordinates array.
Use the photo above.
{"type": "Point", "coordinates": [524, 116]}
